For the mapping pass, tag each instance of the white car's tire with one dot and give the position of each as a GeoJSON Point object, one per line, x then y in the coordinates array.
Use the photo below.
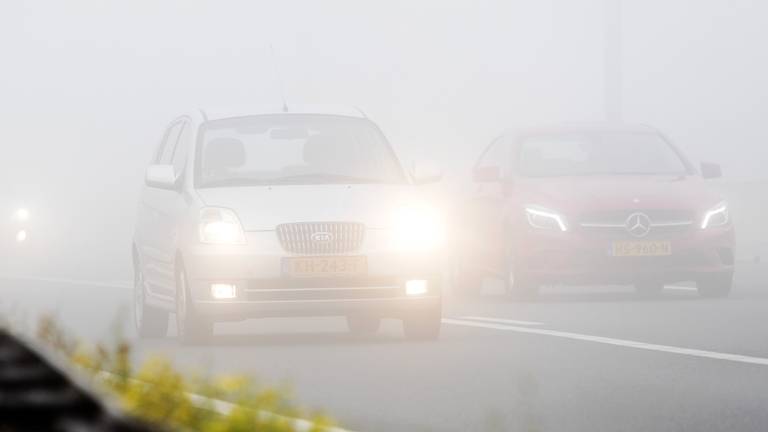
{"type": "Point", "coordinates": [191, 327]}
{"type": "Point", "coordinates": [424, 324]}
{"type": "Point", "coordinates": [149, 321]}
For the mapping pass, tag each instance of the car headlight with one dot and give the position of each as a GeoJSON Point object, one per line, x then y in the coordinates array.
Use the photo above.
{"type": "Point", "coordinates": [417, 228]}
{"type": "Point", "coordinates": [220, 226]}
{"type": "Point", "coordinates": [541, 218]}
{"type": "Point", "coordinates": [21, 214]}
{"type": "Point", "coordinates": [716, 216]}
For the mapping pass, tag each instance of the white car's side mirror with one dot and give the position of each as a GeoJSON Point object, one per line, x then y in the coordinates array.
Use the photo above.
{"type": "Point", "coordinates": [426, 172]}
{"type": "Point", "coordinates": [161, 177]}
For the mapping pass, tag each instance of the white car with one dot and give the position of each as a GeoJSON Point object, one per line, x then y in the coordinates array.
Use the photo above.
{"type": "Point", "coordinates": [284, 213]}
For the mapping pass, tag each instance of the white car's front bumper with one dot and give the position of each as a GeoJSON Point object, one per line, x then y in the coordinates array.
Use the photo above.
{"type": "Point", "coordinates": [262, 290]}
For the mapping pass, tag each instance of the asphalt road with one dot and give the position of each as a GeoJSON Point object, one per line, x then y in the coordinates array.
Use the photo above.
{"type": "Point", "coordinates": [577, 359]}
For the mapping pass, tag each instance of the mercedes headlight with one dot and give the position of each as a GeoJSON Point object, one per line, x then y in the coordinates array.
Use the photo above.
{"type": "Point", "coordinates": [541, 218]}
{"type": "Point", "coordinates": [220, 226]}
{"type": "Point", "coordinates": [716, 216]}
{"type": "Point", "coordinates": [417, 228]}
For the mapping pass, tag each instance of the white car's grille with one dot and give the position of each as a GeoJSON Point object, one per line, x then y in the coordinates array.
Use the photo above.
{"type": "Point", "coordinates": [321, 238]}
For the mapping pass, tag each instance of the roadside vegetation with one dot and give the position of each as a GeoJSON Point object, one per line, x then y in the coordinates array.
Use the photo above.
{"type": "Point", "coordinates": [158, 392]}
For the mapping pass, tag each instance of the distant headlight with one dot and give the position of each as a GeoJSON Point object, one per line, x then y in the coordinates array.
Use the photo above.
{"type": "Point", "coordinates": [417, 228]}
{"type": "Point", "coordinates": [220, 226]}
{"type": "Point", "coordinates": [716, 216]}
{"type": "Point", "coordinates": [542, 218]}
{"type": "Point", "coordinates": [21, 215]}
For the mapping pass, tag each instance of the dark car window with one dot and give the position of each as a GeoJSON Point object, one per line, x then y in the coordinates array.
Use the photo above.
{"type": "Point", "coordinates": [294, 149]}
{"type": "Point", "coordinates": [598, 153]}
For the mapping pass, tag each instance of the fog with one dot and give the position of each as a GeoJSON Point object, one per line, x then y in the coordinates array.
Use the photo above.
{"type": "Point", "coordinates": [87, 89]}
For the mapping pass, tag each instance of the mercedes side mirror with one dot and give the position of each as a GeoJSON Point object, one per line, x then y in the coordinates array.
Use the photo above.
{"type": "Point", "coordinates": [487, 174]}
{"type": "Point", "coordinates": [711, 170]}
{"type": "Point", "coordinates": [161, 177]}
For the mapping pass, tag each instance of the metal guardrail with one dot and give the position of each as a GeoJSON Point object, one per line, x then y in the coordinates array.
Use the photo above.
{"type": "Point", "coordinates": [37, 395]}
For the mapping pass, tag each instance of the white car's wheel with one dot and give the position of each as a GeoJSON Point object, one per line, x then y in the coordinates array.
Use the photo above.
{"type": "Point", "coordinates": [150, 322]}
{"type": "Point", "coordinates": [424, 324]}
{"type": "Point", "coordinates": [190, 326]}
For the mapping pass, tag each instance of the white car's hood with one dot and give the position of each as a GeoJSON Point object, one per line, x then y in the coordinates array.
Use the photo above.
{"type": "Point", "coordinates": [265, 207]}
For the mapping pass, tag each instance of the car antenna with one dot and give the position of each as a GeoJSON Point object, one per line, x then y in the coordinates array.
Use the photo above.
{"type": "Point", "coordinates": [279, 77]}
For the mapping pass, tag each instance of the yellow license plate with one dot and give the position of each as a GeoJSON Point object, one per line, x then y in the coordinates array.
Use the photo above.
{"type": "Point", "coordinates": [641, 248]}
{"type": "Point", "coordinates": [325, 266]}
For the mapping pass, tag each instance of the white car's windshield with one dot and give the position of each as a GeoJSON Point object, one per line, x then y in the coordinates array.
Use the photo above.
{"type": "Point", "coordinates": [598, 153]}
{"type": "Point", "coordinates": [294, 149]}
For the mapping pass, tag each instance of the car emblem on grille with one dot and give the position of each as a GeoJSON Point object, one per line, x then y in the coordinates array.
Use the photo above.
{"type": "Point", "coordinates": [322, 237]}
{"type": "Point", "coordinates": [638, 224]}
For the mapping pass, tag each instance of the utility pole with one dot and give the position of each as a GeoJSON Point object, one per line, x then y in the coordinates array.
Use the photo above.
{"type": "Point", "coordinates": [613, 70]}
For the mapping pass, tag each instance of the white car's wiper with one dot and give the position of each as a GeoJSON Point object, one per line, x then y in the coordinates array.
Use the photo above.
{"type": "Point", "coordinates": [325, 178]}
{"type": "Point", "coordinates": [318, 178]}
{"type": "Point", "coordinates": [234, 182]}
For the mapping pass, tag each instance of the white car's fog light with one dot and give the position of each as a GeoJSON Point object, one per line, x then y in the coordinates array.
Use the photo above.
{"type": "Point", "coordinates": [223, 291]}
{"type": "Point", "coordinates": [416, 287]}
{"type": "Point", "coordinates": [21, 236]}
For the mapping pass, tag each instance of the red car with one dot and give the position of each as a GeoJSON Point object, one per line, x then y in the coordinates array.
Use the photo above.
{"type": "Point", "coordinates": [579, 205]}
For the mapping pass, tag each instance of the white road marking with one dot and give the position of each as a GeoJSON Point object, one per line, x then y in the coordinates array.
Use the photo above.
{"type": "Point", "coordinates": [225, 408]}
{"type": "Point", "coordinates": [502, 321]}
{"type": "Point", "coordinates": [203, 402]}
{"type": "Point", "coordinates": [618, 342]}
{"type": "Point", "coordinates": [680, 288]}
{"type": "Point", "coordinates": [89, 283]}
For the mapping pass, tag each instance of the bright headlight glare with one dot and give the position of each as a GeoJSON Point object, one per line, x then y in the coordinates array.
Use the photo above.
{"type": "Point", "coordinates": [22, 215]}
{"type": "Point", "coordinates": [220, 226]}
{"type": "Point", "coordinates": [223, 291]}
{"type": "Point", "coordinates": [21, 236]}
{"type": "Point", "coordinates": [716, 216]}
{"type": "Point", "coordinates": [545, 219]}
{"type": "Point", "coordinates": [417, 228]}
{"type": "Point", "coordinates": [416, 287]}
